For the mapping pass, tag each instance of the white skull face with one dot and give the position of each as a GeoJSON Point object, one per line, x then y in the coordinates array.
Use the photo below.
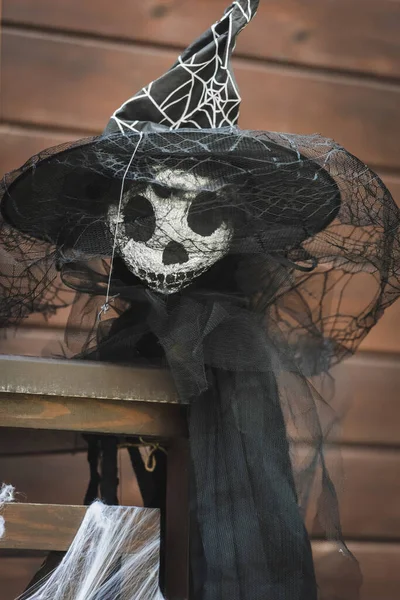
{"type": "Point", "coordinates": [165, 235]}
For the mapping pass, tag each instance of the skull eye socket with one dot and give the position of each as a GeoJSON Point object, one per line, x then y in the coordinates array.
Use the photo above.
{"type": "Point", "coordinates": [204, 216]}
{"type": "Point", "coordinates": [139, 219]}
{"type": "Point", "coordinates": [161, 190]}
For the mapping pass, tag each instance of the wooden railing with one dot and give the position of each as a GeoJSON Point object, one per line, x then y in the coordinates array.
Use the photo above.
{"type": "Point", "coordinates": [91, 397]}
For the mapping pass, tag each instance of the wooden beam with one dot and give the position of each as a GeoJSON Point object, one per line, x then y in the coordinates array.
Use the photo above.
{"type": "Point", "coordinates": [379, 564]}
{"type": "Point", "coordinates": [50, 526]}
{"type": "Point", "coordinates": [61, 478]}
{"type": "Point", "coordinates": [20, 143]}
{"type": "Point", "coordinates": [322, 33]}
{"type": "Point", "coordinates": [15, 574]}
{"type": "Point", "coordinates": [75, 83]}
{"type": "Point", "coordinates": [367, 391]}
{"type": "Point", "coordinates": [85, 379]}
{"type": "Point", "coordinates": [36, 411]}
{"type": "Point", "coordinates": [366, 397]}
{"type": "Point", "coordinates": [368, 489]}
{"type": "Point", "coordinates": [177, 520]}
{"type": "Point", "coordinates": [40, 526]}
{"type": "Point", "coordinates": [28, 442]}
{"type": "Point", "coordinates": [88, 396]}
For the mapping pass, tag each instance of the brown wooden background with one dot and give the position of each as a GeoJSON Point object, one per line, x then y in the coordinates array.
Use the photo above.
{"type": "Point", "coordinates": [327, 66]}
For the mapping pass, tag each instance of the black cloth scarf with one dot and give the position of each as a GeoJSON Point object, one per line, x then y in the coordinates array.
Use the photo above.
{"type": "Point", "coordinates": [248, 539]}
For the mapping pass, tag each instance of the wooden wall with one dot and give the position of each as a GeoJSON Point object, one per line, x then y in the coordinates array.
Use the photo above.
{"type": "Point", "coordinates": [327, 66]}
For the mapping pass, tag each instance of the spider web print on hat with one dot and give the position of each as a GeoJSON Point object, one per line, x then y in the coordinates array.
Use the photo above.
{"type": "Point", "coordinates": [271, 237]}
{"type": "Point", "coordinates": [200, 89]}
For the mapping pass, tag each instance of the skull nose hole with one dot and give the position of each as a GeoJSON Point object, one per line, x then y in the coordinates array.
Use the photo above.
{"type": "Point", "coordinates": [174, 253]}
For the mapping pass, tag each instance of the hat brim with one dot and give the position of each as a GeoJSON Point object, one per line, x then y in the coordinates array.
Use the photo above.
{"type": "Point", "coordinates": [62, 195]}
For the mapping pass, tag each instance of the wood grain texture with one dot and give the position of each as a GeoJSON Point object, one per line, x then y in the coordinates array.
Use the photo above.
{"type": "Point", "coordinates": [15, 442]}
{"type": "Point", "coordinates": [344, 34]}
{"type": "Point", "coordinates": [379, 565]}
{"type": "Point", "coordinates": [87, 414]}
{"type": "Point", "coordinates": [369, 501]}
{"type": "Point", "coordinates": [367, 392]}
{"type": "Point", "coordinates": [40, 526]}
{"type": "Point", "coordinates": [51, 527]}
{"type": "Point", "coordinates": [17, 144]}
{"type": "Point", "coordinates": [368, 488]}
{"type": "Point", "coordinates": [367, 388]}
{"type": "Point", "coordinates": [384, 336]}
{"type": "Point", "coordinates": [25, 341]}
{"type": "Point", "coordinates": [16, 573]}
{"type": "Point", "coordinates": [369, 493]}
{"type": "Point", "coordinates": [177, 524]}
{"type": "Point", "coordinates": [81, 82]}
{"type": "Point", "coordinates": [85, 379]}
{"type": "Point", "coordinates": [61, 478]}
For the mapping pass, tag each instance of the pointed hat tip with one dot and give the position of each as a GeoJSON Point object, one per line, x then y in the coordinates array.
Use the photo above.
{"type": "Point", "coordinates": [199, 91]}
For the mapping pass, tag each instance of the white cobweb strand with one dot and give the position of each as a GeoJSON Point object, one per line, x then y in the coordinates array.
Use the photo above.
{"type": "Point", "coordinates": [114, 555]}
{"type": "Point", "coordinates": [6, 495]}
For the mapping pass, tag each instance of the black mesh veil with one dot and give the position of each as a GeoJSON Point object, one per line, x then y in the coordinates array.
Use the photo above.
{"type": "Point", "coordinates": [287, 230]}
{"type": "Point", "coordinates": [308, 223]}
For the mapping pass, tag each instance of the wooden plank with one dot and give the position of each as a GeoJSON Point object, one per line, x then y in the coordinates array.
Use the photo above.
{"type": "Point", "coordinates": [14, 442]}
{"type": "Point", "coordinates": [48, 527]}
{"type": "Point", "coordinates": [318, 32]}
{"type": "Point", "coordinates": [369, 493]}
{"type": "Point", "coordinates": [17, 144]}
{"type": "Point", "coordinates": [366, 391]}
{"type": "Point", "coordinates": [26, 341]}
{"type": "Point", "coordinates": [359, 383]}
{"type": "Point", "coordinates": [87, 414]}
{"type": "Point", "coordinates": [40, 526]}
{"type": "Point", "coordinates": [16, 573]}
{"type": "Point", "coordinates": [62, 478]}
{"type": "Point", "coordinates": [367, 388]}
{"type": "Point", "coordinates": [177, 520]}
{"type": "Point", "coordinates": [78, 83]}
{"type": "Point", "coordinates": [379, 565]}
{"type": "Point", "coordinates": [384, 336]}
{"type": "Point", "coordinates": [53, 527]}
{"type": "Point", "coordinates": [368, 488]}
{"type": "Point", "coordinates": [85, 379]}
{"type": "Point", "coordinates": [366, 402]}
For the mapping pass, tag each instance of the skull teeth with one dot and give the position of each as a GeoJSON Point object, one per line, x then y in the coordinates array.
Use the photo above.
{"type": "Point", "coordinates": [171, 283]}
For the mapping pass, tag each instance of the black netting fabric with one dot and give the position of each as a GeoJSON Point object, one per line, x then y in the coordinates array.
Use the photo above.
{"type": "Point", "coordinates": [236, 260]}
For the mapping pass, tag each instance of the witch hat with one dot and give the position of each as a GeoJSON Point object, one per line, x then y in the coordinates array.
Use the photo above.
{"type": "Point", "coordinates": [200, 89]}
{"type": "Point", "coordinates": [180, 133]}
